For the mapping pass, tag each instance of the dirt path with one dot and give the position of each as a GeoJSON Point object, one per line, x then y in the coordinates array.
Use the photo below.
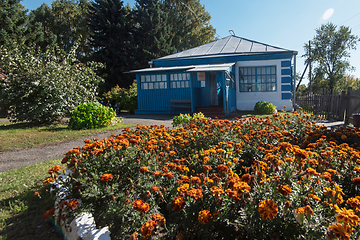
{"type": "Point", "coordinates": [24, 157]}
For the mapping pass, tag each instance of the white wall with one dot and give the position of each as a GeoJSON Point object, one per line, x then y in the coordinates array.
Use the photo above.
{"type": "Point", "coordinates": [247, 100]}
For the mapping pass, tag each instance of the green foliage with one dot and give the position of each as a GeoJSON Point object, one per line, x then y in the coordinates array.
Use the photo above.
{"type": "Point", "coordinates": [346, 82]}
{"type": "Point", "coordinates": [126, 99]}
{"type": "Point", "coordinates": [185, 119]}
{"type": "Point", "coordinates": [14, 25]}
{"type": "Point", "coordinates": [263, 107]}
{"type": "Point", "coordinates": [190, 23]}
{"type": "Point", "coordinates": [43, 87]}
{"type": "Point", "coordinates": [111, 27]}
{"type": "Point", "coordinates": [91, 115]}
{"type": "Point", "coordinates": [330, 53]}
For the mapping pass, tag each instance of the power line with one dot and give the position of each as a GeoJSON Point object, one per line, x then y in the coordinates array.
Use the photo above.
{"type": "Point", "coordinates": [350, 18]}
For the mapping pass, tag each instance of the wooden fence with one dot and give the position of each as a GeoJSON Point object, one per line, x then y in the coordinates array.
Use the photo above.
{"type": "Point", "coordinates": [332, 105]}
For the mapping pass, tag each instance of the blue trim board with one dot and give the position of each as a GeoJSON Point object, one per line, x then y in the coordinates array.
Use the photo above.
{"type": "Point", "coordinates": [285, 63]}
{"type": "Point", "coordinates": [220, 59]}
{"type": "Point", "coordinates": [285, 79]}
{"type": "Point", "coordinates": [286, 96]}
{"type": "Point", "coordinates": [285, 87]}
{"type": "Point", "coordinates": [286, 71]}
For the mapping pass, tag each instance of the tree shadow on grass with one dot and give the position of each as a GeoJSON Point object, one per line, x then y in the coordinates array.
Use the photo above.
{"type": "Point", "coordinates": [25, 219]}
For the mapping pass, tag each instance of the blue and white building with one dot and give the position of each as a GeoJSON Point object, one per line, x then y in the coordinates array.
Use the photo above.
{"type": "Point", "coordinates": [231, 73]}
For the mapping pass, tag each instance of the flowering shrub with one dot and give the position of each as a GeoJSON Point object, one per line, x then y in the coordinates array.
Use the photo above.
{"type": "Point", "coordinates": [263, 107]}
{"type": "Point", "coordinates": [279, 177]}
{"type": "Point", "coordinates": [91, 115]}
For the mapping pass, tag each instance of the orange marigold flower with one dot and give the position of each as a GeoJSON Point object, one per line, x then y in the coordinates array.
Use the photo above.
{"type": "Point", "coordinates": [172, 153]}
{"type": "Point", "coordinates": [134, 236]}
{"type": "Point", "coordinates": [158, 219]}
{"type": "Point", "coordinates": [178, 204]}
{"type": "Point", "coordinates": [307, 210]}
{"type": "Point", "coordinates": [137, 204]}
{"type": "Point", "coordinates": [183, 188]}
{"type": "Point", "coordinates": [354, 202]}
{"type": "Point", "coordinates": [246, 177]}
{"type": "Point", "coordinates": [207, 168]}
{"type": "Point", "coordinates": [223, 168]}
{"type": "Point", "coordinates": [146, 229]}
{"type": "Point", "coordinates": [47, 181]}
{"type": "Point", "coordinates": [284, 189]}
{"type": "Point", "coordinates": [347, 216]}
{"type": "Point", "coordinates": [195, 180]}
{"type": "Point", "coordinates": [169, 175]}
{"type": "Point", "coordinates": [288, 204]}
{"type": "Point", "coordinates": [54, 169]}
{"type": "Point", "coordinates": [144, 208]}
{"type": "Point", "coordinates": [356, 181]}
{"type": "Point", "coordinates": [144, 169]}
{"type": "Point", "coordinates": [204, 217]}
{"type": "Point", "coordinates": [216, 191]}
{"type": "Point", "coordinates": [284, 146]}
{"type": "Point", "coordinates": [343, 137]}
{"type": "Point", "coordinates": [157, 173]}
{"type": "Point", "coordinates": [327, 176]}
{"type": "Point", "coordinates": [341, 231]}
{"type": "Point", "coordinates": [127, 201]}
{"type": "Point", "coordinates": [357, 169]}
{"type": "Point", "coordinates": [106, 177]}
{"type": "Point", "coordinates": [71, 204]}
{"type": "Point", "coordinates": [154, 188]}
{"type": "Point", "coordinates": [195, 193]}
{"type": "Point", "coordinates": [316, 198]}
{"type": "Point", "coordinates": [268, 209]}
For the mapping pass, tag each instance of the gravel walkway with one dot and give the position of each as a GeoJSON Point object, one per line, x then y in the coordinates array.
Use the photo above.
{"type": "Point", "coordinates": [24, 157]}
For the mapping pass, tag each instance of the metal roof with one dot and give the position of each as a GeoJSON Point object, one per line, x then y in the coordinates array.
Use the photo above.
{"type": "Point", "coordinates": [227, 46]}
{"type": "Point", "coordinates": [191, 68]}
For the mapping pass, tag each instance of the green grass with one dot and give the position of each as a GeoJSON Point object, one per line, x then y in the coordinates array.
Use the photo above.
{"type": "Point", "coordinates": [21, 211]}
{"type": "Point", "coordinates": [23, 135]}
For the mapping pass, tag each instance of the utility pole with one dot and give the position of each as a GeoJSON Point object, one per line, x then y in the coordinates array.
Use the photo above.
{"type": "Point", "coordinates": [310, 87]}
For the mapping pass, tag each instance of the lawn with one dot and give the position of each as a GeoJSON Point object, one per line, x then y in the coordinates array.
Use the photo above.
{"type": "Point", "coordinates": [24, 135]}
{"type": "Point", "coordinates": [21, 208]}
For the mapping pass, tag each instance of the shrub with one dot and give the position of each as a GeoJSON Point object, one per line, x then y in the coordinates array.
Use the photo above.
{"type": "Point", "coordinates": [91, 115]}
{"type": "Point", "coordinates": [126, 99]}
{"type": "Point", "coordinates": [263, 107]}
{"type": "Point", "coordinates": [42, 87]}
{"type": "Point", "coordinates": [184, 119]}
{"type": "Point", "coordinates": [279, 177]}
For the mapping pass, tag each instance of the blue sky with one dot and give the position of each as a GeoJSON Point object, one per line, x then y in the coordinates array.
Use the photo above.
{"type": "Point", "coordinates": [285, 23]}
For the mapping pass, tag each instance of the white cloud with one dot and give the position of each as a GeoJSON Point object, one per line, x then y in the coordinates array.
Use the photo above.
{"type": "Point", "coordinates": [328, 13]}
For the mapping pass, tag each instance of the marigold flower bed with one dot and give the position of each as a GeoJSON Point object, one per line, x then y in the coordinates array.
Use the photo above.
{"type": "Point", "coordinates": [281, 177]}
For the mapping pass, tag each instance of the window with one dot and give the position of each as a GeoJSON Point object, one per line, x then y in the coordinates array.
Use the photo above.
{"type": "Point", "coordinates": [153, 81]}
{"type": "Point", "coordinates": [180, 80]}
{"type": "Point", "coordinates": [258, 79]}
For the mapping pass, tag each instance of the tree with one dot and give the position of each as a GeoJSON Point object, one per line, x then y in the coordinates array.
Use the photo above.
{"type": "Point", "coordinates": [44, 15]}
{"type": "Point", "coordinates": [14, 25]}
{"type": "Point", "coordinates": [330, 52]}
{"type": "Point", "coordinates": [346, 82]}
{"type": "Point", "coordinates": [111, 26]}
{"type": "Point", "coordinates": [64, 23]}
{"type": "Point", "coordinates": [190, 23]}
{"type": "Point", "coordinates": [152, 33]}
{"type": "Point", "coordinates": [42, 87]}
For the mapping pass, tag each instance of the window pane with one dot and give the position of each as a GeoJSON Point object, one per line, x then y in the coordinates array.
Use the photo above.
{"type": "Point", "coordinates": [145, 86]}
{"type": "Point", "coordinates": [173, 84]}
{"type": "Point", "coordinates": [188, 76]}
{"type": "Point", "coordinates": [180, 77]}
{"type": "Point", "coordinates": [147, 77]}
{"type": "Point", "coordinates": [153, 78]}
{"type": "Point", "coordinates": [156, 85]}
{"type": "Point", "coordinates": [182, 84]}
{"type": "Point", "coordinates": [171, 77]}
{"type": "Point", "coordinates": [151, 86]}
{"type": "Point", "coordinates": [165, 85]}
{"type": "Point", "coordinates": [163, 77]}
{"type": "Point", "coordinates": [142, 78]}
{"type": "Point", "coordinates": [273, 70]}
{"type": "Point", "coordinates": [162, 85]}
{"type": "Point", "coordinates": [187, 84]}
{"type": "Point", "coordinates": [175, 77]}
{"type": "Point", "coordinates": [158, 78]}
{"type": "Point", "coordinates": [178, 84]}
